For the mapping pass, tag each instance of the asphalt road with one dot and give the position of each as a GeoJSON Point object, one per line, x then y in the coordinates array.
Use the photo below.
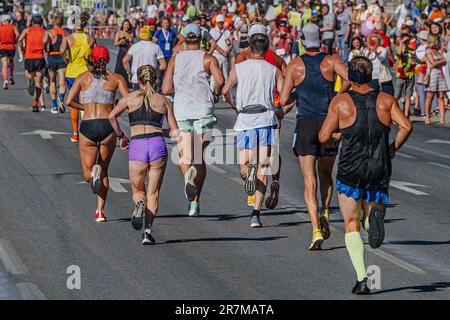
{"type": "Point", "coordinates": [47, 224]}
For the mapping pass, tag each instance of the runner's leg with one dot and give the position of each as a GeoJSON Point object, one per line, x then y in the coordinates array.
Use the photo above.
{"type": "Point", "coordinates": [107, 148]}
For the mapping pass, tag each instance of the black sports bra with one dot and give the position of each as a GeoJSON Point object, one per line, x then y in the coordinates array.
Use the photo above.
{"type": "Point", "coordinates": [146, 117]}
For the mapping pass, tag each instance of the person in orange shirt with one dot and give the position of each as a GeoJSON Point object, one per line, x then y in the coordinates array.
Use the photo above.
{"type": "Point", "coordinates": [228, 24]}
{"type": "Point", "coordinates": [436, 12]}
{"type": "Point", "coordinates": [31, 41]}
{"type": "Point", "coordinates": [241, 7]}
{"type": "Point", "coordinates": [8, 38]}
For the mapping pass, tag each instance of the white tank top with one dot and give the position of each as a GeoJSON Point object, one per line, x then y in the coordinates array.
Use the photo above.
{"type": "Point", "coordinates": [256, 84]}
{"type": "Point", "coordinates": [193, 96]}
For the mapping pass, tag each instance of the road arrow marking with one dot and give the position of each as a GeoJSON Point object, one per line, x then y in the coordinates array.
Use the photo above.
{"type": "Point", "coordinates": [405, 186]}
{"type": "Point", "coordinates": [115, 184]}
{"type": "Point", "coordinates": [438, 141]}
{"type": "Point", "coordinates": [45, 134]}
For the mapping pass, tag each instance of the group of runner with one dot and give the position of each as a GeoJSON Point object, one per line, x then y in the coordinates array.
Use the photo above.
{"type": "Point", "coordinates": [267, 89]}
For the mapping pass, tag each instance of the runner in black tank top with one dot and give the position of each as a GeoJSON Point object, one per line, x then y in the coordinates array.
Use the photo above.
{"type": "Point", "coordinates": [364, 118]}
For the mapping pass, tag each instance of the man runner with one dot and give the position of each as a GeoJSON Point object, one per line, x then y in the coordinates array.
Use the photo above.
{"type": "Point", "coordinates": [187, 75]}
{"type": "Point", "coordinates": [8, 38]}
{"type": "Point", "coordinates": [256, 79]}
{"type": "Point", "coordinates": [364, 117]}
{"type": "Point", "coordinates": [312, 75]}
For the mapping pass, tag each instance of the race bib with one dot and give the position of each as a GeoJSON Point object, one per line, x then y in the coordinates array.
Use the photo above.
{"type": "Point", "coordinates": [167, 46]}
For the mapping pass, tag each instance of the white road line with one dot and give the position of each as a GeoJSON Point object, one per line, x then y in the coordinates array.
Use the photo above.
{"type": "Point", "coordinates": [406, 186]}
{"type": "Point", "coordinates": [404, 155]}
{"type": "Point", "coordinates": [397, 261]}
{"type": "Point", "coordinates": [216, 169]}
{"type": "Point", "coordinates": [426, 151]}
{"type": "Point", "coordinates": [30, 291]}
{"type": "Point", "coordinates": [10, 259]}
{"type": "Point", "coordinates": [438, 141]}
{"type": "Point", "coordinates": [439, 165]}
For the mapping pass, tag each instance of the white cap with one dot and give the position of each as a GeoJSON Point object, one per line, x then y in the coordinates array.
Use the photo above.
{"type": "Point", "coordinates": [256, 28]}
{"type": "Point", "coordinates": [185, 18]}
{"type": "Point", "coordinates": [409, 23]}
{"type": "Point", "coordinates": [220, 18]}
{"type": "Point", "coordinates": [35, 9]}
{"type": "Point", "coordinates": [231, 10]}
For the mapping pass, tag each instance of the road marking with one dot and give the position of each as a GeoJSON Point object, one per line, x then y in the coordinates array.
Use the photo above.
{"type": "Point", "coordinates": [30, 291]}
{"type": "Point", "coordinates": [426, 151]}
{"type": "Point", "coordinates": [115, 184]}
{"type": "Point", "coordinates": [397, 261]}
{"type": "Point", "coordinates": [216, 169]}
{"type": "Point", "coordinates": [404, 155]}
{"type": "Point", "coordinates": [45, 134]}
{"type": "Point", "coordinates": [438, 141]}
{"type": "Point", "coordinates": [10, 259]}
{"type": "Point", "coordinates": [405, 186]}
{"type": "Point", "coordinates": [439, 165]}
{"type": "Point", "coordinates": [12, 107]}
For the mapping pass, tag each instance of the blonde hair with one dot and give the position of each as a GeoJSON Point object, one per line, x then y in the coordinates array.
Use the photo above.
{"type": "Point", "coordinates": [147, 78]}
{"type": "Point", "coordinates": [432, 41]}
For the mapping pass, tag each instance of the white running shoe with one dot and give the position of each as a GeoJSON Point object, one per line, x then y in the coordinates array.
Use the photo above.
{"type": "Point", "coordinates": [5, 85]}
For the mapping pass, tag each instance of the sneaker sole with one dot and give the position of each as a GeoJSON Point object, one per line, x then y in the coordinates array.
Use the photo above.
{"type": "Point", "coordinates": [190, 189]}
{"type": "Point", "coordinates": [100, 220]}
{"type": "Point", "coordinates": [96, 184]}
{"type": "Point", "coordinates": [61, 107]}
{"type": "Point", "coordinates": [324, 227]}
{"type": "Point", "coordinates": [376, 227]}
{"type": "Point", "coordinates": [317, 245]}
{"type": "Point", "coordinates": [137, 219]}
{"type": "Point", "coordinates": [250, 181]}
{"type": "Point", "coordinates": [272, 200]}
{"type": "Point", "coordinates": [255, 225]}
{"type": "Point", "coordinates": [147, 242]}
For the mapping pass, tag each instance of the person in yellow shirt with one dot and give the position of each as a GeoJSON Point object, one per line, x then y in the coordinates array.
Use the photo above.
{"type": "Point", "coordinates": [78, 45]}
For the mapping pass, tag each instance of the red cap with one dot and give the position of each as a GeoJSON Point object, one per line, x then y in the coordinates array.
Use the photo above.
{"type": "Point", "coordinates": [100, 52]}
{"type": "Point", "coordinates": [151, 22]}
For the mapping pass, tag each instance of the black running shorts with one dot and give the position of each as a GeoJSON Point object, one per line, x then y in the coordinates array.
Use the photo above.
{"type": "Point", "coordinates": [7, 53]}
{"type": "Point", "coordinates": [306, 139]}
{"type": "Point", "coordinates": [35, 65]}
{"type": "Point", "coordinates": [55, 62]}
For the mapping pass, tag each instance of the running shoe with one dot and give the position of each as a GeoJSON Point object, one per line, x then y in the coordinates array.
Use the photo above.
{"type": "Point", "coordinates": [251, 201]}
{"type": "Point", "coordinates": [190, 190]}
{"type": "Point", "coordinates": [5, 85]}
{"type": "Point", "coordinates": [137, 219]}
{"type": "Point", "coordinates": [147, 239]}
{"type": "Point", "coordinates": [20, 59]}
{"type": "Point", "coordinates": [96, 183]}
{"type": "Point", "coordinates": [11, 81]}
{"type": "Point", "coordinates": [42, 108]}
{"type": "Point", "coordinates": [194, 209]}
{"type": "Point", "coordinates": [61, 106]}
{"type": "Point", "coordinates": [272, 199]}
{"type": "Point", "coordinates": [255, 221]}
{"type": "Point", "coordinates": [317, 240]}
{"type": "Point", "coordinates": [54, 110]}
{"type": "Point", "coordinates": [376, 226]}
{"type": "Point", "coordinates": [31, 87]}
{"type": "Point", "coordinates": [74, 138]}
{"type": "Point", "coordinates": [361, 287]}
{"type": "Point", "coordinates": [250, 181]}
{"type": "Point", "coordinates": [35, 109]}
{"type": "Point", "coordinates": [100, 217]}
{"type": "Point", "coordinates": [324, 222]}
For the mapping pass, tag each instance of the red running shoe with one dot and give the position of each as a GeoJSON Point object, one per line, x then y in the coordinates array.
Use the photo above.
{"type": "Point", "coordinates": [100, 217]}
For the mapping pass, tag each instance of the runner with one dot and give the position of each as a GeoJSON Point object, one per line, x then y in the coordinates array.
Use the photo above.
{"type": "Point", "coordinates": [148, 151]}
{"type": "Point", "coordinates": [97, 89]}
{"type": "Point", "coordinates": [312, 75]}
{"type": "Point", "coordinates": [21, 18]}
{"type": "Point", "coordinates": [364, 117]}
{"type": "Point", "coordinates": [31, 42]}
{"type": "Point", "coordinates": [8, 38]}
{"type": "Point", "coordinates": [257, 118]}
{"type": "Point", "coordinates": [187, 76]}
{"type": "Point", "coordinates": [79, 46]}
{"type": "Point", "coordinates": [55, 64]}
{"type": "Point", "coordinates": [277, 61]}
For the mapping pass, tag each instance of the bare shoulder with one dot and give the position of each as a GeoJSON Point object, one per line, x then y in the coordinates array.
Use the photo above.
{"type": "Point", "coordinates": [385, 100]}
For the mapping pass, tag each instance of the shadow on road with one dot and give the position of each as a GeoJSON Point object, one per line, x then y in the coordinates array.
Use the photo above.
{"type": "Point", "coordinates": [418, 242]}
{"type": "Point", "coordinates": [434, 287]}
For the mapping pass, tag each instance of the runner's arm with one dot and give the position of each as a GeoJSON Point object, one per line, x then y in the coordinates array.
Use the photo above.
{"type": "Point", "coordinates": [72, 97]}
{"type": "Point", "coordinates": [45, 40]}
{"type": "Point", "coordinates": [213, 46]}
{"type": "Point", "coordinates": [288, 84]}
{"type": "Point", "coordinates": [167, 86]}
{"type": "Point", "coordinates": [115, 113]}
{"type": "Point", "coordinates": [126, 64]}
{"type": "Point", "coordinates": [217, 74]}
{"type": "Point", "coordinates": [162, 64]}
{"type": "Point", "coordinates": [226, 91]}
{"type": "Point", "coordinates": [171, 120]}
{"type": "Point", "coordinates": [16, 33]}
{"type": "Point", "coordinates": [331, 123]}
{"type": "Point", "coordinates": [123, 87]}
{"type": "Point", "coordinates": [342, 70]}
{"type": "Point", "coordinates": [21, 39]}
{"type": "Point", "coordinates": [404, 127]}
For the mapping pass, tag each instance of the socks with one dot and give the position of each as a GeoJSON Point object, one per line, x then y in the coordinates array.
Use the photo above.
{"type": "Point", "coordinates": [366, 224]}
{"type": "Point", "coordinates": [355, 248]}
{"type": "Point", "coordinates": [54, 105]}
{"type": "Point", "coordinates": [255, 212]}
{"type": "Point", "coordinates": [11, 70]}
{"type": "Point", "coordinates": [148, 231]}
{"type": "Point", "coordinates": [5, 74]}
{"type": "Point", "coordinates": [61, 97]}
{"type": "Point", "coordinates": [74, 118]}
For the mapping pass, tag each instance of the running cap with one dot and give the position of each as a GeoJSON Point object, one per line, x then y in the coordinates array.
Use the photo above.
{"type": "Point", "coordinates": [256, 28]}
{"type": "Point", "coordinates": [311, 36]}
{"type": "Point", "coordinates": [100, 53]}
{"type": "Point", "coordinates": [185, 18]}
{"type": "Point", "coordinates": [37, 19]}
{"type": "Point", "coordinates": [144, 33]}
{"type": "Point", "coordinates": [192, 31]}
{"type": "Point", "coordinates": [409, 23]}
{"type": "Point", "coordinates": [434, 4]}
{"type": "Point", "coordinates": [35, 9]}
{"type": "Point", "coordinates": [423, 35]}
{"type": "Point", "coordinates": [220, 18]}
{"type": "Point", "coordinates": [151, 22]}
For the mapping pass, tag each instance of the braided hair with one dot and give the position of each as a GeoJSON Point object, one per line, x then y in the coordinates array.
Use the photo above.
{"type": "Point", "coordinates": [147, 77]}
{"type": "Point", "coordinates": [97, 66]}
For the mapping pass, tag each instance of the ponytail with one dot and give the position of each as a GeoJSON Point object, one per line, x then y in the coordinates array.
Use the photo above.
{"type": "Point", "coordinates": [147, 77]}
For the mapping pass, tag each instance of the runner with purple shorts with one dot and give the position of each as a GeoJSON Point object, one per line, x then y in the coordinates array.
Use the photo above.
{"type": "Point", "coordinates": [148, 151]}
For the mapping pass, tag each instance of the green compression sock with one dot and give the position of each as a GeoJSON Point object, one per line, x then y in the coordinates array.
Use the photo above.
{"type": "Point", "coordinates": [355, 248]}
{"type": "Point", "coordinates": [366, 223]}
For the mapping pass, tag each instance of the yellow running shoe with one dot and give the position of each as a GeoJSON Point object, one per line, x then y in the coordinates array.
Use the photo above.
{"type": "Point", "coordinates": [317, 240]}
{"type": "Point", "coordinates": [324, 222]}
{"type": "Point", "coordinates": [251, 200]}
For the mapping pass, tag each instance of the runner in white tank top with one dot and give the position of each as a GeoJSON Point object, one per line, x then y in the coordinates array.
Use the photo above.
{"type": "Point", "coordinates": [257, 119]}
{"type": "Point", "coordinates": [187, 76]}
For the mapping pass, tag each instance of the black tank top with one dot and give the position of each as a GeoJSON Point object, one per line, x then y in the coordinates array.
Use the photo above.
{"type": "Point", "coordinates": [55, 47]}
{"type": "Point", "coordinates": [364, 160]}
{"type": "Point", "coordinates": [142, 116]}
{"type": "Point", "coordinates": [315, 92]}
{"type": "Point", "coordinates": [22, 23]}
